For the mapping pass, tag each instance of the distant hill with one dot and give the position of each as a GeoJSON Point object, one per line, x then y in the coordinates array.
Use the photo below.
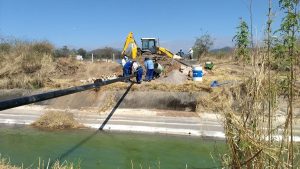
{"type": "Point", "coordinates": [225, 50]}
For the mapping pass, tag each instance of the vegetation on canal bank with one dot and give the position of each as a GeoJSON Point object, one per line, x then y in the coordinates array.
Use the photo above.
{"type": "Point", "coordinates": [6, 164]}
{"type": "Point", "coordinates": [249, 109]}
{"type": "Point", "coordinates": [57, 120]}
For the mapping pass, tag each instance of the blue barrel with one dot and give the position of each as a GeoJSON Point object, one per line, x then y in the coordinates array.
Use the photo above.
{"type": "Point", "coordinates": [197, 73]}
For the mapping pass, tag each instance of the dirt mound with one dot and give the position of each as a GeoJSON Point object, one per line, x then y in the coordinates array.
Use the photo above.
{"type": "Point", "coordinates": [174, 77]}
{"type": "Point", "coordinates": [169, 64]}
{"type": "Point", "coordinates": [57, 120]}
{"type": "Point", "coordinates": [179, 101]}
{"type": "Point", "coordinates": [98, 69]}
{"type": "Point", "coordinates": [67, 66]}
{"type": "Point", "coordinates": [70, 72]}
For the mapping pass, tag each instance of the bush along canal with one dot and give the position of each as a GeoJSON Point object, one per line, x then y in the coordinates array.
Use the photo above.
{"type": "Point", "coordinates": [97, 149]}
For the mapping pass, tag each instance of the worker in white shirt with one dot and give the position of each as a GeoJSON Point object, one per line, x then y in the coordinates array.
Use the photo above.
{"type": "Point", "coordinates": [191, 52]}
{"type": "Point", "coordinates": [124, 60]}
{"type": "Point", "coordinates": [138, 71]}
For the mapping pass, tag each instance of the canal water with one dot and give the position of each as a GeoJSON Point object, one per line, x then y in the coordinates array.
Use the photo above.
{"type": "Point", "coordinates": [107, 150]}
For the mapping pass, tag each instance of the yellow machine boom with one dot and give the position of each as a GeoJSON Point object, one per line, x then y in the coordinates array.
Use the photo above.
{"type": "Point", "coordinates": [130, 42]}
{"type": "Point", "coordinates": [165, 51]}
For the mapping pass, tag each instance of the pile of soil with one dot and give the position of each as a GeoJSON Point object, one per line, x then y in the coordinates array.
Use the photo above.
{"type": "Point", "coordinates": [99, 69]}
{"type": "Point", "coordinates": [70, 72]}
{"type": "Point", "coordinates": [168, 64]}
{"type": "Point", "coordinates": [173, 77]}
{"type": "Point", "coordinates": [57, 120]}
{"type": "Point", "coordinates": [67, 66]}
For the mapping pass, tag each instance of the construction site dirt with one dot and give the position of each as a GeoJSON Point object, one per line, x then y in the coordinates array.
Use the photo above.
{"type": "Point", "coordinates": [171, 104]}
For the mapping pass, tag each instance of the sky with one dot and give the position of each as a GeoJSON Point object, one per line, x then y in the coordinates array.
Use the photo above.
{"type": "Point", "coordinates": [93, 24]}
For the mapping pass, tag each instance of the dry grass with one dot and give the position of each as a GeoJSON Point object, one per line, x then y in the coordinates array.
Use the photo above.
{"type": "Point", "coordinates": [109, 102]}
{"type": "Point", "coordinates": [31, 65]}
{"type": "Point", "coordinates": [67, 67]}
{"type": "Point", "coordinates": [252, 142]}
{"type": "Point", "coordinates": [57, 120]}
{"type": "Point", "coordinates": [212, 102]}
{"type": "Point", "coordinates": [5, 164]}
{"type": "Point", "coordinates": [64, 165]}
{"type": "Point", "coordinates": [245, 121]}
{"type": "Point", "coordinates": [25, 65]}
{"type": "Point", "coordinates": [250, 128]}
{"type": "Point", "coordinates": [223, 73]}
{"type": "Point", "coordinates": [186, 87]}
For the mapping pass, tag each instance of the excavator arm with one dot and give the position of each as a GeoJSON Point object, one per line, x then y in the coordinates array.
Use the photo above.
{"type": "Point", "coordinates": [165, 51]}
{"type": "Point", "coordinates": [130, 42]}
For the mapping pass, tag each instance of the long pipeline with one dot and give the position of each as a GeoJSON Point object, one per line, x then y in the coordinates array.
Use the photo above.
{"type": "Point", "coordinates": [20, 101]}
{"type": "Point", "coordinates": [184, 63]}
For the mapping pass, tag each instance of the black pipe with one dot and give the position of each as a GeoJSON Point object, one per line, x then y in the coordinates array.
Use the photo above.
{"type": "Point", "coordinates": [20, 101]}
{"type": "Point", "coordinates": [184, 63]}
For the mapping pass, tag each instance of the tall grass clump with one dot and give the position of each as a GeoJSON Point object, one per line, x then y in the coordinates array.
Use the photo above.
{"type": "Point", "coordinates": [6, 164]}
{"type": "Point", "coordinates": [255, 137]}
{"type": "Point", "coordinates": [57, 120]}
{"type": "Point", "coordinates": [25, 64]}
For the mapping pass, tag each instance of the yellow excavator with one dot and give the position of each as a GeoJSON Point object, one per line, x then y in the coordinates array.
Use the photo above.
{"type": "Point", "coordinates": [149, 46]}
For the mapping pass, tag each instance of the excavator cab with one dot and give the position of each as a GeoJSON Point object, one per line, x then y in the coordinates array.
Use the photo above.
{"type": "Point", "coordinates": [149, 45]}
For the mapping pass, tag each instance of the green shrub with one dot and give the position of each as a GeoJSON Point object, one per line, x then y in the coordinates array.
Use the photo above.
{"type": "Point", "coordinates": [5, 47]}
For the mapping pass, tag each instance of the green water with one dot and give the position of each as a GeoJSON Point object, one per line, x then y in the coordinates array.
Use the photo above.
{"type": "Point", "coordinates": [107, 150]}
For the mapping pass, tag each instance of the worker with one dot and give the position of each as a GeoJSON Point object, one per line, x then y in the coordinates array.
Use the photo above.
{"type": "Point", "coordinates": [124, 60]}
{"type": "Point", "coordinates": [149, 69]}
{"type": "Point", "coordinates": [158, 69]}
{"type": "Point", "coordinates": [138, 71]}
{"type": "Point", "coordinates": [191, 52]}
{"type": "Point", "coordinates": [127, 69]}
{"type": "Point", "coordinates": [180, 53]}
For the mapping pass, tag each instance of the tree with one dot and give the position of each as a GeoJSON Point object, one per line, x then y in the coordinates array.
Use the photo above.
{"type": "Point", "coordinates": [202, 45]}
{"type": "Point", "coordinates": [288, 32]}
{"type": "Point", "coordinates": [65, 51]}
{"type": "Point", "coordinates": [106, 53]}
{"type": "Point", "coordinates": [82, 52]}
{"type": "Point", "coordinates": [242, 41]}
{"type": "Point", "coordinates": [42, 47]}
{"type": "Point", "coordinates": [62, 52]}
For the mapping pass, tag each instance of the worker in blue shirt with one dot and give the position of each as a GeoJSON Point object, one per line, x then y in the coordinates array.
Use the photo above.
{"type": "Point", "coordinates": [149, 65]}
{"type": "Point", "coordinates": [127, 68]}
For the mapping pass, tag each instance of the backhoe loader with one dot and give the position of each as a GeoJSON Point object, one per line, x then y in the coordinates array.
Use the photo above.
{"type": "Point", "coordinates": [149, 46]}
